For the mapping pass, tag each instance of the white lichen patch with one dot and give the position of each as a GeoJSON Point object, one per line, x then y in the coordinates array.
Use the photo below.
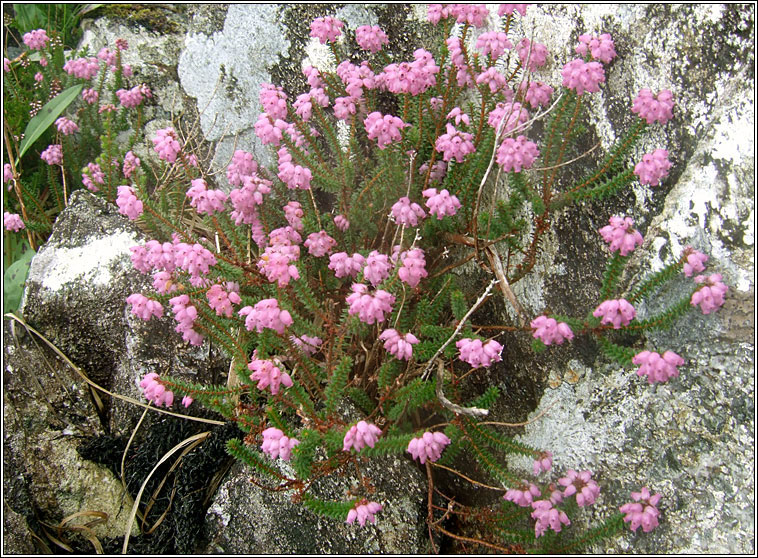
{"type": "Point", "coordinates": [83, 264]}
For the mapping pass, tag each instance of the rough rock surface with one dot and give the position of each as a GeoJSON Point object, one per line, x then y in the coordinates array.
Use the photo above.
{"type": "Point", "coordinates": [246, 519]}
{"type": "Point", "coordinates": [689, 439]}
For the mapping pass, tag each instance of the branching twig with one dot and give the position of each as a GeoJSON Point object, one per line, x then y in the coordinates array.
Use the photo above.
{"type": "Point", "coordinates": [427, 370]}
{"type": "Point", "coordinates": [457, 409]}
{"type": "Point", "coordinates": [497, 267]}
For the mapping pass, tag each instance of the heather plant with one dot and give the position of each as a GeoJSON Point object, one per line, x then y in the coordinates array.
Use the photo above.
{"type": "Point", "coordinates": [332, 281]}
{"type": "Point", "coordinates": [62, 113]}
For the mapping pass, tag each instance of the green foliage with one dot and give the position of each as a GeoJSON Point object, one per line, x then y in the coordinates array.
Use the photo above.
{"type": "Point", "coordinates": [388, 371]}
{"type": "Point", "coordinates": [414, 395]}
{"type": "Point", "coordinates": [14, 279]}
{"type": "Point", "coordinates": [334, 510]}
{"type": "Point", "coordinates": [335, 389]}
{"type": "Point", "coordinates": [251, 457]}
{"type": "Point", "coordinates": [623, 355]}
{"type": "Point", "coordinates": [361, 399]}
{"type": "Point", "coordinates": [46, 116]}
{"type": "Point", "coordinates": [458, 304]}
{"type": "Point", "coordinates": [612, 274]}
{"type": "Point", "coordinates": [655, 281]}
{"type": "Point", "coordinates": [304, 453]}
{"type": "Point", "coordinates": [487, 399]}
{"type": "Point", "coordinates": [388, 445]}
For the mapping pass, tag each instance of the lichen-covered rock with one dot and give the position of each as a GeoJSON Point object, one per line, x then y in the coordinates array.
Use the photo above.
{"type": "Point", "coordinates": [247, 519]}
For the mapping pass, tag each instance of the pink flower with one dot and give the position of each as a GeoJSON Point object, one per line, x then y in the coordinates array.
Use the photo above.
{"type": "Point", "coordinates": [83, 68]}
{"type": "Point", "coordinates": [276, 444]}
{"type": "Point", "coordinates": [537, 93]}
{"type": "Point", "coordinates": [155, 391]}
{"type": "Point", "coordinates": [400, 346]}
{"type": "Point", "coordinates": [163, 282]}
{"type": "Point", "coordinates": [38, 77]}
{"type": "Point", "coordinates": [370, 308]}
{"type": "Point", "coordinates": [582, 485]}
{"type": "Point", "coordinates": [6, 65]}
{"type": "Point", "coordinates": [205, 201]}
{"type": "Point", "coordinates": [294, 176]}
{"type": "Point", "coordinates": [266, 314]}
{"type": "Point", "coordinates": [306, 343]}
{"type": "Point", "coordinates": [7, 172]}
{"type": "Point", "coordinates": [326, 29]}
{"type": "Point", "coordinates": [459, 116]}
{"type": "Point", "coordinates": [363, 512]}
{"type": "Point", "coordinates": [320, 244]}
{"type": "Point", "coordinates": [477, 354]}
{"type": "Point", "coordinates": [384, 128]}
{"type": "Point", "coordinates": [242, 165]}
{"type": "Point", "coordinates": [516, 154]}
{"type": "Point", "coordinates": [187, 401]}
{"type": "Point", "coordinates": [600, 48]}
{"type": "Point", "coordinates": [695, 261]}
{"type": "Point", "coordinates": [429, 446]}
{"type": "Point", "coordinates": [407, 213]}
{"type": "Point", "coordinates": [221, 299]}
{"type": "Point", "coordinates": [13, 222]}
{"type": "Point", "coordinates": [523, 496]}
{"type": "Point", "coordinates": [547, 516]}
{"type": "Point", "coordinates": [454, 144]}
{"type": "Point", "coordinates": [583, 76]}
{"type": "Point", "coordinates": [143, 307]}
{"type": "Point", "coordinates": [166, 144]}
{"type": "Point", "coordinates": [472, 14]}
{"type": "Point", "coordinates": [92, 175]}
{"type": "Point", "coordinates": [107, 55]}
{"type": "Point", "coordinates": [371, 38]}
{"type": "Point", "coordinates": [620, 235]}
{"type": "Point", "coordinates": [37, 39]}
{"type": "Point", "coordinates": [654, 109]}
{"type": "Point", "coordinates": [268, 375]}
{"type": "Point", "coordinates": [341, 222]}
{"type": "Point", "coordinates": [653, 167]}
{"type": "Point", "coordinates": [377, 268]}
{"type": "Point", "coordinates": [532, 55]}
{"type": "Point", "coordinates": [344, 107]}
{"type": "Point", "coordinates": [194, 259]}
{"type": "Point", "coordinates": [361, 435]}
{"type": "Point", "coordinates": [413, 267]}
{"type": "Point", "coordinates": [53, 155]}
{"type": "Point", "coordinates": [131, 98]}
{"type": "Point", "coordinates": [508, 9]}
{"type": "Point", "coordinates": [346, 266]}
{"type": "Point", "coordinates": [246, 199]}
{"type": "Point", "coordinates": [643, 511]}
{"type": "Point", "coordinates": [269, 131]}
{"type": "Point", "coordinates": [512, 112]}
{"type": "Point", "coordinates": [131, 164]}
{"type": "Point", "coordinates": [90, 96]}
{"type": "Point", "coordinates": [658, 368]}
{"type": "Point", "coordinates": [128, 202]}
{"type": "Point", "coordinates": [493, 43]}
{"type": "Point", "coordinates": [293, 212]}
{"type": "Point", "coordinates": [276, 263]}
{"type": "Point", "coordinates": [274, 101]}
{"type": "Point", "coordinates": [438, 172]}
{"type": "Point", "coordinates": [185, 314]}
{"type": "Point", "coordinates": [710, 296]}
{"type": "Point", "coordinates": [549, 331]}
{"type": "Point", "coordinates": [543, 463]}
{"type": "Point", "coordinates": [122, 44]}
{"type": "Point", "coordinates": [442, 203]}
{"type": "Point", "coordinates": [615, 312]}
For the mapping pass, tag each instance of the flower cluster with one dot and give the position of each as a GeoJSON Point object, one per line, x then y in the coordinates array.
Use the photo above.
{"type": "Point", "coordinates": [407, 213]}
{"type": "Point", "coordinates": [400, 346]}
{"type": "Point", "coordinates": [37, 39]}
{"type": "Point", "coordinates": [370, 308]}
{"type": "Point", "coordinates": [166, 144]}
{"type": "Point", "coordinates": [654, 109]}
{"type": "Point", "coordinates": [361, 435]}
{"type": "Point", "coordinates": [620, 235]}
{"type": "Point", "coordinates": [710, 297]}
{"type": "Point", "coordinates": [523, 496]}
{"type": "Point", "coordinates": [583, 77]}
{"type": "Point", "coordinates": [441, 204]}
{"type": "Point", "coordinates": [615, 312]}
{"type": "Point", "coordinates": [13, 222]}
{"type": "Point", "coordinates": [599, 47]}
{"type": "Point", "coordinates": [363, 512]}
{"type": "Point", "coordinates": [658, 368]}
{"type": "Point", "coordinates": [143, 307]}
{"type": "Point", "coordinates": [549, 331]}
{"type": "Point", "coordinates": [454, 144]}
{"type": "Point", "coordinates": [385, 129]}
{"type": "Point", "coordinates": [128, 202]}
{"type": "Point", "coordinates": [268, 375]}
{"type": "Point", "coordinates": [266, 314]}
{"type": "Point", "coordinates": [581, 485]}
{"type": "Point", "coordinates": [155, 391]}
{"type": "Point", "coordinates": [276, 444]}
{"type": "Point", "coordinates": [205, 201]}
{"type": "Point", "coordinates": [653, 167]}
{"type": "Point", "coordinates": [643, 511]}
{"type": "Point", "coordinates": [371, 38]}
{"type": "Point", "coordinates": [429, 446]}
{"type": "Point", "coordinates": [516, 154]}
{"type": "Point", "coordinates": [477, 354]}
{"type": "Point", "coordinates": [413, 267]}
{"type": "Point", "coordinates": [326, 29]}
